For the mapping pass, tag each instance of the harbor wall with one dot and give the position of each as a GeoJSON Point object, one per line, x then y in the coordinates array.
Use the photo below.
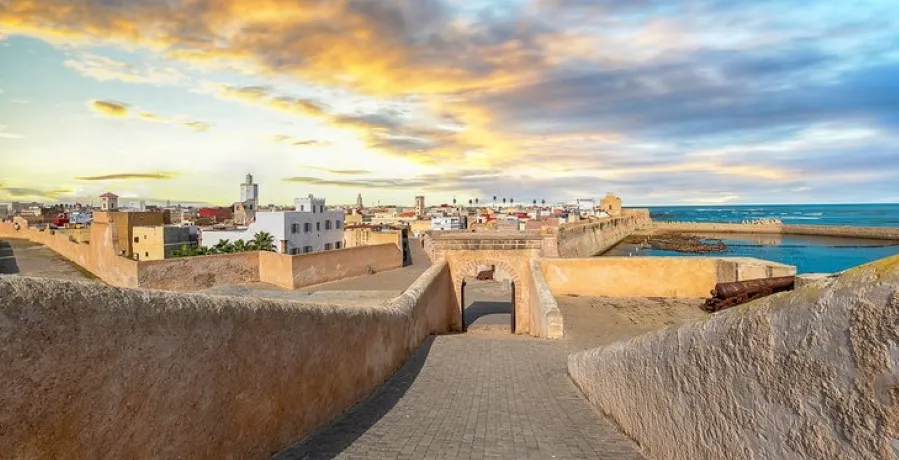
{"type": "Point", "coordinates": [586, 239]}
{"type": "Point", "coordinates": [885, 233]}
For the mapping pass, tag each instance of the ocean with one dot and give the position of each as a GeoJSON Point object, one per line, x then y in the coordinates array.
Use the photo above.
{"type": "Point", "coordinates": [810, 254]}
{"type": "Point", "coordinates": [858, 215]}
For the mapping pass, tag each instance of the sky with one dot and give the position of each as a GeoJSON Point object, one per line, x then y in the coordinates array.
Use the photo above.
{"type": "Point", "coordinates": [658, 101]}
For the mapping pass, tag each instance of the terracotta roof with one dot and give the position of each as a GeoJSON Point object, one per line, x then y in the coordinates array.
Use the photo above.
{"type": "Point", "coordinates": [109, 195]}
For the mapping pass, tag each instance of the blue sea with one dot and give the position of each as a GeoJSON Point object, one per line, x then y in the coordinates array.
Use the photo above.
{"type": "Point", "coordinates": [858, 215]}
{"type": "Point", "coordinates": [810, 254]}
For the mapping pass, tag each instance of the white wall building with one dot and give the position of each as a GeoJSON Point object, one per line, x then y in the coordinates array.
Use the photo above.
{"type": "Point", "coordinates": [586, 206]}
{"type": "Point", "coordinates": [313, 229]}
{"type": "Point", "coordinates": [448, 223]}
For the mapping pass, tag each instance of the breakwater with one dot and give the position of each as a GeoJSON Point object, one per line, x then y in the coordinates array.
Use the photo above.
{"type": "Point", "coordinates": [881, 233]}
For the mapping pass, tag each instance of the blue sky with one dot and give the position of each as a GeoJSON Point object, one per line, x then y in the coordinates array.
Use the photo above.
{"type": "Point", "coordinates": [662, 102]}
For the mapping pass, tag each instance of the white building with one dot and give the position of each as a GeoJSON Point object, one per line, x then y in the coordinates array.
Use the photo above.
{"type": "Point", "coordinates": [140, 206]}
{"type": "Point", "coordinates": [80, 218]}
{"type": "Point", "coordinates": [311, 228]}
{"type": "Point", "coordinates": [448, 223]}
{"type": "Point", "coordinates": [420, 209]}
{"type": "Point", "coordinates": [249, 191]}
{"type": "Point", "coordinates": [109, 202]}
{"type": "Point", "coordinates": [586, 206]}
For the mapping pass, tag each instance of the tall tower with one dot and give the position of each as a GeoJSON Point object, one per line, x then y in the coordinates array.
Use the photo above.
{"type": "Point", "coordinates": [420, 206]}
{"type": "Point", "coordinates": [359, 201]}
{"type": "Point", "coordinates": [249, 191]}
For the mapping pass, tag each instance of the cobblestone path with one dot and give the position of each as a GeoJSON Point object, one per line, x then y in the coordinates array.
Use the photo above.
{"type": "Point", "coordinates": [473, 396]}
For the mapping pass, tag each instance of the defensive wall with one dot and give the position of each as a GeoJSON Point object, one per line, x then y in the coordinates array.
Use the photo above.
{"type": "Point", "coordinates": [586, 239]}
{"type": "Point", "coordinates": [653, 276]}
{"type": "Point", "coordinates": [885, 233]}
{"type": "Point", "coordinates": [812, 373]}
{"type": "Point", "coordinates": [99, 256]}
{"type": "Point", "coordinates": [94, 371]}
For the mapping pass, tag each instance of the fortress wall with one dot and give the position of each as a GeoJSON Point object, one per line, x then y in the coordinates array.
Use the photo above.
{"type": "Point", "coordinates": [546, 318]}
{"type": "Point", "coordinates": [97, 256]}
{"type": "Point", "coordinates": [887, 233]}
{"type": "Point", "coordinates": [321, 267]}
{"type": "Point", "coordinates": [653, 276]}
{"type": "Point", "coordinates": [812, 373]}
{"type": "Point", "coordinates": [596, 237]}
{"type": "Point", "coordinates": [94, 371]}
{"type": "Point", "coordinates": [199, 272]}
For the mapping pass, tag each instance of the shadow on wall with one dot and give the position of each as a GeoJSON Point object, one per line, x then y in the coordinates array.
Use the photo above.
{"type": "Point", "coordinates": [8, 265]}
{"type": "Point", "coordinates": [335, 437]}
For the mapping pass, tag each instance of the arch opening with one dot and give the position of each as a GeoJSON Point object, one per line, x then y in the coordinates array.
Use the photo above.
{"type": "Point", "coordinates": [489, 297]}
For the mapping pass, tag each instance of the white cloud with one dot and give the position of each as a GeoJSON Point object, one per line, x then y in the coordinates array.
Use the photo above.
{"type": "Point", "coordinates": [103, 68]}
{"type": "Point", "coordinates": [6, 135]}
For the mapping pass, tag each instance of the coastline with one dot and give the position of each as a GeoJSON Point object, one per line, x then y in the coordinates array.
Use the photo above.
{"type": "Point", "coordinates": [878, 233]}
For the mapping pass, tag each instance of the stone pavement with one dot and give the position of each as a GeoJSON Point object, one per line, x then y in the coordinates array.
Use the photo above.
{"type": "Point", "coordinates": [490, 394]}
{"type": "Point", "coordinates": [22, 257]}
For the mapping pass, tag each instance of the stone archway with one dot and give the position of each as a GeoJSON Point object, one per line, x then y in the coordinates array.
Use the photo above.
{"type": "Point", "coordinates": [503, 271]}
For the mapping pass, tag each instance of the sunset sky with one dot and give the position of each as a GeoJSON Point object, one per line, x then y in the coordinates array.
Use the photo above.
{"type": "Point", "coordinates": [661, 102]}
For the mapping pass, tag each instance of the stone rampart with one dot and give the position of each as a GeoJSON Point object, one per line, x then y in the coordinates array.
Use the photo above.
{"type": "Point", "coordinates": [546, 318]}
{"type": "Point", "coordinates": [586, 239]}
{"type": "Point", "coordinates": [93, 371]}
{"type": "Point", "coordinates": [812, 373]}
{"type": "Point", "coordinates": [886, 233]}
{"type": "Point", "coordinates": [653, 276]}
{"type": "Point", "coordinates": [100, 257]}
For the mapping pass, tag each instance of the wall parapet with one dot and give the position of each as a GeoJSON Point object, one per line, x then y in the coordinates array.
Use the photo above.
{"type": "Point", "coordinates": [547, 319]}
{"type": "Point", "coordinates": [805, 374]}
{"type": "Point", "coordinates": [598, 236]}
{"type": "Point", "coordinates": [210, 376]}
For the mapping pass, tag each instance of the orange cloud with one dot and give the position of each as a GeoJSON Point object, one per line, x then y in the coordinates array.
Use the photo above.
{"type": "Point", "coordinates": [109, 108]}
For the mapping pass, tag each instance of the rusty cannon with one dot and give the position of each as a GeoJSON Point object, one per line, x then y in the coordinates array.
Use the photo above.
{"type": "Point", "coordinates": [726, 295]}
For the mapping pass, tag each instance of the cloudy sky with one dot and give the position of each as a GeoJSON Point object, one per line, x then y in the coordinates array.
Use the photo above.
{"type": "Point", "coordinates": [660, 101]}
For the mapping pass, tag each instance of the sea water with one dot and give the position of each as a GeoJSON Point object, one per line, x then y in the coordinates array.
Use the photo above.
{"type": "Point", "coordinates": [810, 254]}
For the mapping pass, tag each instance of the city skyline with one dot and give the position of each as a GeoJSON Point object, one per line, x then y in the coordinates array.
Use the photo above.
{"type": "Point", "coordinates": [662, 102]}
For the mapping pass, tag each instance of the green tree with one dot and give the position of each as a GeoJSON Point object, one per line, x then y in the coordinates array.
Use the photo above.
{"type": "Point", "coordinates": [223, 247]}
{"type": "Point", "coordinates": [263, 241]}
{"type": "Point", "coordinates": [241, 246]}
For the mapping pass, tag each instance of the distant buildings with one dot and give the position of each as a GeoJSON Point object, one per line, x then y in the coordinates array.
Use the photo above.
{"type": "Point", "coordinates": [420, 208]}
{"type": "Point", "coordinates": [249, 191]}
{"type": "Point", "coordinates": [586, 206]}
{"type": "Point", "coordinates": [310, 228]}
{"type": "Point", "coordinates": [359, 202]}
{"type": "Point", "coordinates": [160, 241]}
{"type": "Point", "coordinates": [109, 202]}
{"type": "Point", "coordinates": [448, 223]}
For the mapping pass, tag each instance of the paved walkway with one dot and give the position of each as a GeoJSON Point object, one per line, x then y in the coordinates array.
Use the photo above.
{"type": "Point", "coordinates": [22, 257]}
{"type": "Point", "coordinates": [494, 395]}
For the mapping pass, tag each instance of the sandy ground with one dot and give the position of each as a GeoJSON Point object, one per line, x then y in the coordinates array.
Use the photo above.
{"type": "Point", "coordinates": [22, 257]}
{"type": "Point", "coordinates": [594, 321]}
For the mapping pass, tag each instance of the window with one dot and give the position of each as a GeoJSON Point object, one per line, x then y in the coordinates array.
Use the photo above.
{"type": "Point", "coordinates": [294, 251]}
{"type": "Point", "coordinates": [307, 227]}
{"type": "Point", "coordinates": [337, 245]}
{"type": "Point", "coordinates": [307, 249]}
{"type": "Point", "coordinates": [137, 239]}
{"type": "Point", "coordinates": [318, 226]}
{"type": "Point", "coordinates": [146, 254]}
{"type": "Point", "coordinates": [327, 246]}
{"type": "Point", "coordinates": [321, 209]}
{"type": "Point", "coordinates": [337, 223]}
{"type": "Point", "coordinates": [294, 228]}
{"type": "Point", "coordinates": [328, 224]}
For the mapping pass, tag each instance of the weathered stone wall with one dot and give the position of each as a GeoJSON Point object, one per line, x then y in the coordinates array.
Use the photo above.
{"type": "Point", "coordinates": [321, 267]}
{"type": "Point", "coordinates": [98, 257]}
{"type": "Point", "coordinates": [886, 233]}
{"type": "Point", "coordinates": [546, 318]}
{"type": "Point", "coordinates": [812, 373]}
{"type": "Point", "coordinates": [589, 239]}
{"type": "Point", "coordinates": [199, 272]}
{"type": "Point", "coordinates": [653, 276]}
{"type": "Point", "coordinates": [93, 371]}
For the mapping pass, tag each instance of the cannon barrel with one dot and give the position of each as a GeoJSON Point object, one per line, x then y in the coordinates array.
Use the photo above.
{"type": "Point", "coordinates": [726, 295]}
{"type": "Point", "coordinates": [749, 287]}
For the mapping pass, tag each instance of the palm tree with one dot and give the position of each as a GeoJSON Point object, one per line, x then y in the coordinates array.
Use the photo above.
{"type": "Point", "coordinates": [494, 201]}
{"type": "Point", "coordinates": [469, 203]}
{"type": "Point", "coordinates": [454, 201]}
{"type": "Point", "coordinates": [475, 201]}
{"type": "Point", "coordinates": [223, 247]}
{"type": "Point", "coordinates": [504, 201]}
{"type": "Point", "coordinates": [511, 201]}
{"type": "Point", "coordinates": [543, 202]}
{"type": "Point", "coordinates": [263, 241]}
{"type": "Point", "coordinates": [241, 246]}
